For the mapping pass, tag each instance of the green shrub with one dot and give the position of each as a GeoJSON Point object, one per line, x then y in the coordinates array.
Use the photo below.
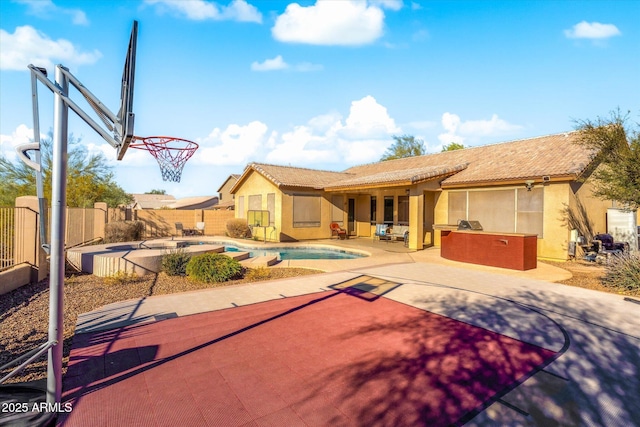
{"type": "Point", "coordinates": [258, 273]}
{"type": "Point", "coordinates": [623, 272]}
{"type": "Point", "coordinates": [123, 231]}
{"type": "Point", "coordinates": [213, 268]}
{"type": "Point", "coordinates": [238, 228]}
{"type": "Point", "coordinates": [175, 262]}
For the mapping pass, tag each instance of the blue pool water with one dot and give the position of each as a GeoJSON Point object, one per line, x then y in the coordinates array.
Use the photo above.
{"type": "Point", "coordinates": [295, 253]}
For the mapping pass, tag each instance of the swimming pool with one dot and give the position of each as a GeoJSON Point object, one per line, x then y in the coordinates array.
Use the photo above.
{"type": "Point", "coordinates": [284, 253]}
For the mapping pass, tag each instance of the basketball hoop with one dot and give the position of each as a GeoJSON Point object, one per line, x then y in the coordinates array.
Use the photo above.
{"type": "Point", "coordinates": [171, 153]}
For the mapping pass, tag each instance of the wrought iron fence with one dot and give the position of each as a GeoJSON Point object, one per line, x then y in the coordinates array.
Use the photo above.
{"type": "Point", "coordinates": [12, 247]}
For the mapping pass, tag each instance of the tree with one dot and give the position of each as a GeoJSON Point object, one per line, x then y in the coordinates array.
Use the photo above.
{"type": "Point", "coordinates": [404, 146]}
{"type": "Point", "coordinates": [452, 146]}
{"type": "Point", "coordinates": [156, 191]}
{"type": "Point", "coordinates": [89, 177]}
{"type": "Point", "coordinates": [617, 152]}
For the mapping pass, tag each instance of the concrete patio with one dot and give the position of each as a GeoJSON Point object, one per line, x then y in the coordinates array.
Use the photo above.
{"type": "Point", "coordinates": [592, 379]}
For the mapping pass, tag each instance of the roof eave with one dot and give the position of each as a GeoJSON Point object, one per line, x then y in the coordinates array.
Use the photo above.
{"type": "Point", "coordinates": [514, 181]}
{"type": "Point", "coordinates": [367, 186]}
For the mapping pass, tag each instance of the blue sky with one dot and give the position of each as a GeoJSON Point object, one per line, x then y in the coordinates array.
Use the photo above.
{"type": "Point", "coordinates": [320, 84]}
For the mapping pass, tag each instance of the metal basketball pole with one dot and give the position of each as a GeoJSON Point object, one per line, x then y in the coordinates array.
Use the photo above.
{"type": "Point", "coordinates": [57, 260]}
{"type": "Point", "coordinates": [121, 126]}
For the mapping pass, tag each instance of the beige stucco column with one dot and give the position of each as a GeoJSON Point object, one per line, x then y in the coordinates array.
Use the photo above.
{"type": "Point", "coordinates": [27, 237]}
{"type": "Point", "coordinates": [416, 215]}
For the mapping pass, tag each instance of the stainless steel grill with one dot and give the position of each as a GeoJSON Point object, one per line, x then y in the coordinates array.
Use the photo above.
{"type": "Point", "coordinates": [465, 224]}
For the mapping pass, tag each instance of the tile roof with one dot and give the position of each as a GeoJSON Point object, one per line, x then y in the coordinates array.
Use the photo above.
{"type": "Point", "coordinates": [556, 156]}
{"type": "Point", "coordinates": [198, 202]}
{"type": "Point", "coordinates": [288, 176]}
{"type": "Point", "coordinates": [397, 177]}
{"type": "Point", "coordinates": [152, 201]}
{"type": "Point", "coordinates": [234, 177]}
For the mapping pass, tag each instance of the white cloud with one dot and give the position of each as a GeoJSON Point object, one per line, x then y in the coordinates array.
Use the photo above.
{"type": "Point", "coordinates": [236, 145]}
{"type": "Point", "coordinates": [388, 4]}
{"type": "Point", "coordinates": [8, 143]}
{"type": "Point", "coordinates": [29, 46]}
{"type": "Point", "coordinates": [276, 63]}
{"type": "Point", "coordinates": [200, 10]}
{"type": "Point", "coordinates": [368, 119]}
{"type": "Point", "coordinates": [592, 30]}
{"type": "Point", "coordinates": [361, 138]}
{"type": "Point", "coordinates": [302, 147]}
{"type": "Point", "coordinates": [459, 131]}
{"type": "Point", "coordinates": [347, 23]}
{"type": "Point", "coordinates": [46, 9]}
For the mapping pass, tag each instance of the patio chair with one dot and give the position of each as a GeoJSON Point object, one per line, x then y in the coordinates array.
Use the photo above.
{"type": "Point", "coordinates": [382, 232]}
{"type": "Point", "coordinates": [336, 230]}
{"type": "Point", "coordinates": [179, 229]}
{"type": "Point", "coordinates": [199, 230]}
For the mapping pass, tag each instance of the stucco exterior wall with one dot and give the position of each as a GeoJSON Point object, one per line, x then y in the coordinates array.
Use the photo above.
{"type": "Point", "coordinates": [428, 205]}
{"type": "Point", "coordinates": [556, 233]}
{"type": "Point", "coordinates": [256, 184]}
{"type": "Point", "coordinates": [289, 232]}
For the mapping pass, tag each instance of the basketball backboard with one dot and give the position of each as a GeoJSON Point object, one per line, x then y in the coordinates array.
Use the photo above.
{"type": "Point", "coordinates": [258, 218]}
{"type": "Point", "coordinates": [125, 115]}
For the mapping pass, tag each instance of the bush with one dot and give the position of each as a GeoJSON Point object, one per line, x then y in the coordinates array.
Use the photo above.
{"type": "Point", "coordinates": [258, 273]}
{"type": "Point", "coordinates": [123, 231]}
{"type": "Point", "coordinates": [175, 262]}
{"type": "Point", "coordinates": [213, 268]}
{"type": "Point", "coordinates": [238, 228]}
{"type": "Point", "coordinates": [623, 272]}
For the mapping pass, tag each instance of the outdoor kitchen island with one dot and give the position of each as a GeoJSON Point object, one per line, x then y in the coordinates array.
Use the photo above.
{"type": "Point", "coordinates": [506, 250]}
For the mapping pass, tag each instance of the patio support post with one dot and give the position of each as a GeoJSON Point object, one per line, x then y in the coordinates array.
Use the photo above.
{"type": "Point", "coordinates": [58, 210]}
{"type": "Point", "coordinates": [416, 219]}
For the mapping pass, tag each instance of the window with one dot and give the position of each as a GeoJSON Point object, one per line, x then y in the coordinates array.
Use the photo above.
{"type": "Point", "coordinates": [457, 206]}
{"type": "Point", "coordinates": [306, 211]}
{"type": "Point", "coordinates": [337, 211]}
{"type": "Point", "coordinates": [271, 207]}
{"type": "Point", "coordinates": [530, 211]}
{"type": "Point", "coordinates": [388, 209]}
{"type": "Point", "coordinates": [494, 209]}
{"type": "Point", "coordinates": [403, 210]}
{"type": "Point", "coordinates": [241, 212]}
{"type": "Point", "coordinates": [505, 211]}
{"type": "Point", "coordinates": [374, 208]}
{"type": "Point", "coordinates": [255, 203]}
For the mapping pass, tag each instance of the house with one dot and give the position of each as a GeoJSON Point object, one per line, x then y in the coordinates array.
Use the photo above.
{"type": "Point", "coordinates": [151, 201]}
{"type": "Point", "coordinates": [198, 202]}
{"type": "Point", "coordinates": [536, 185]}
{"type": "Point", "coordinates": [226, 200]}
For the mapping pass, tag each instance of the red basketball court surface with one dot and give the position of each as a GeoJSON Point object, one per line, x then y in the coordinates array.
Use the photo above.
{"type": "Point", "coordinates": [341, 357]}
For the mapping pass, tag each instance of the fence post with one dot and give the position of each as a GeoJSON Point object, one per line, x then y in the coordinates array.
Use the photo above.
{"type": "Point", "coordinates": [27, 238]}
{"type": "Point", "coordinates": [99, 219]}
{"type": "Point", "coordinates": [198, 216]}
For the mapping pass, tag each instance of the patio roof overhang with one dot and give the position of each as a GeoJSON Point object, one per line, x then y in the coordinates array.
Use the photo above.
{"type": "Point", "coordinates": [397, 178]}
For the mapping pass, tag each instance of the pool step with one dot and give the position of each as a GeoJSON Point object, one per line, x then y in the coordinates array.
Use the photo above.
{"type": "Point", "coordinates": [238, 256]}
{"type": "Point", "coordinates": [260, 261]}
